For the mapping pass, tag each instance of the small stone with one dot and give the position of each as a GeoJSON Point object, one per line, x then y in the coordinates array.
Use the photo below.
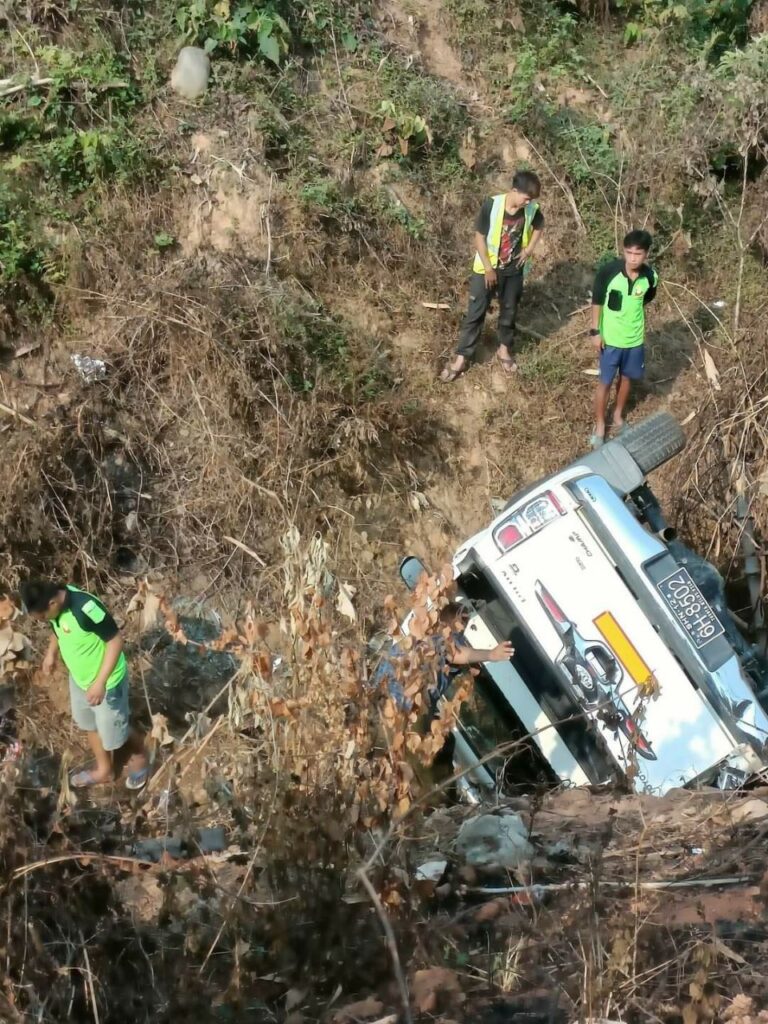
{"type": "Point", "coordinates": [189, 77]}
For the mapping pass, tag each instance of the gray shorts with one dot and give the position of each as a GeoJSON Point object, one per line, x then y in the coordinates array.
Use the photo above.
{"type": "Point", "coordinates": [110, 719]}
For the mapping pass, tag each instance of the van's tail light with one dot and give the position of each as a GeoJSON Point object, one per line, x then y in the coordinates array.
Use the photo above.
{"type": "Point", "coordinates": [508, 536]}
{"type": "Point", "coordinates": [534, 515]}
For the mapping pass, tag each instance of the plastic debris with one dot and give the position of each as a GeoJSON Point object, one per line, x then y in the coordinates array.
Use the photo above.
{"type": "Point", "coordinates": [90, 369]}
{"type": "Point", "coordinates": [206, 840]}
{"type": "Point", "coordinates": [432, 871]}
{"type": "Point", "coordinates": [494, 840]}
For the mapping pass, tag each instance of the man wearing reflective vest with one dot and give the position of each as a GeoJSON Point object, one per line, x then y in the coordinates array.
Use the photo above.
{"type": "Point", "coordinates": [86, 638]}
{"type": "Point", "coordinates": [507, 231]}
{"type": "Point", "coordinates": [622, 290]}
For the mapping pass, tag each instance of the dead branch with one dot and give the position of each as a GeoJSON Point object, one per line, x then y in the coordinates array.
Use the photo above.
{"type": "Point", "coordinates": [10, 411]}
{"type": "Point", "coordinates": [248, 551]}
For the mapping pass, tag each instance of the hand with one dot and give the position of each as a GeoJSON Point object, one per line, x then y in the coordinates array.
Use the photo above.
{"type": "Point", "coordinates": [95, 694]}
{"type": "Point", "coordinates": [490, 278]}
{"type": "Point", "coordinates": [598, 342]}
{"type": "Point", "coordinates": [524, 255]}
{"type": "Point", "coordinates": [49, 663]}
{"type": "Point", "coordinates": [502, 651]}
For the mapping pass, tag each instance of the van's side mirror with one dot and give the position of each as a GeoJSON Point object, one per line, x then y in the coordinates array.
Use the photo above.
{"type": "Point", "coordinates": [411, 571]}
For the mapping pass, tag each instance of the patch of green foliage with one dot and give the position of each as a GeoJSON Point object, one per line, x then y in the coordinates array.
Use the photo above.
{"type": "Point", "coordinates": [248, 27]}
{"type": "Point", "coordinates": [324, 197]}
{"type": "Point", "coordinates": [585, 147]}
{"type": "Point", "coordinates": [515, 45]}
{"type": "Point", "coordinates": [423, 109]}
{"type": "Point", "coordinates": [545, 365]}
{"type": "Point", "coordinates": [61, 141]}
{"type": "Point", "coordinates": [323, 345]}
{"type": "Point", "coordinates": [713, 23]}
{"type": "Point", "coordinates": [269, 29]}
{"type": "Point", "coordinates": [414, 227]}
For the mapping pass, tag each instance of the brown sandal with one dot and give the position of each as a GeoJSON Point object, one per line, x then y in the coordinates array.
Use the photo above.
{"type": "Point", "coordinates": [509, 366]}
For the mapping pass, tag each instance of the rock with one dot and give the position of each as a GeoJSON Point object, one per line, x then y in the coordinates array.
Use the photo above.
{"type": "Point", "coordinates": [212, 840]}
{"type": "Point", "coordinates": [561, 850]}
{"type": "Point", "coordinates": [751, 810]}
{"type": "Point", "coordinates": [190, 76]}
{"type": "Point", "coordinates": [494, 840]}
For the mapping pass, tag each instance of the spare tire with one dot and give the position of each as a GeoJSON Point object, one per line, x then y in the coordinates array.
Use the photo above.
{"type": "Point", "coordinates": [654, 441]}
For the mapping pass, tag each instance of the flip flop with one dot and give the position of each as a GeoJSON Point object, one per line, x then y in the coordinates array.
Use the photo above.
{"type": "Point", "coordinates": [81, 780]}
{"type": "Point", "coordinates": [509, 366]}
{"type": "Point", "coordinates": [448, 376]}
{"type": "Point", "coordinates": [596, 442]}
{"type": "Point", "coordinates": [137, 780]}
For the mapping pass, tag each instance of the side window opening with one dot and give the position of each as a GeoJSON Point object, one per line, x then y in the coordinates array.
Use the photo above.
{"type": "Point", "coordinates": [539, 674]}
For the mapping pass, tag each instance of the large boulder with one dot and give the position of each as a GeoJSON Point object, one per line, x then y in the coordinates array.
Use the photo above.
{"type": "Point", "coordinates": [190, 76]}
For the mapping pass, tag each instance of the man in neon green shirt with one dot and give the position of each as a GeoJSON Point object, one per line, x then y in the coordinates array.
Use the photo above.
{"type": "Point", "coordinates": [88, 641]}
{"type": "Point", "coordinates": [622, 290]}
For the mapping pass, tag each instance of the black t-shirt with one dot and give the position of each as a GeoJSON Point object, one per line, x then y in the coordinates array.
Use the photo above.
{"type": "Point", "coordinates": [617, 268]}
{"type": "Point", "coordinates": [511, 243]}
{"type": "Point", "coordinates": [90, 614]}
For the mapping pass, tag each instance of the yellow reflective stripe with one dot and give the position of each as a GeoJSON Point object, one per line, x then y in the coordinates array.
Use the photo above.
{"type": "Point", "coordinates": [530, 212]}
{"type": "Point", "coordinates": [496, 223]}
{"type": "Point", "coordinates": [493, 238]}
{"type": "Point", "coordinates": [624, 649]}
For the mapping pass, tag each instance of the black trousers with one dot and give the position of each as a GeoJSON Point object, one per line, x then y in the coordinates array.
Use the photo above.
{"type": "Point", "coordinates": [508, 290]}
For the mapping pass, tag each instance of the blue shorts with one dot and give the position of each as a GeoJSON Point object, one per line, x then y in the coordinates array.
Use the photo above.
{"type": "Point", "coordinates": [628, 362]}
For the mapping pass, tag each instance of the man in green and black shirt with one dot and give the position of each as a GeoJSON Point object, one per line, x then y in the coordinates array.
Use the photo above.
{"type": "Point", "coordinates": [87, 639]}
{"type": "Point", "coordinates": [622, 290]}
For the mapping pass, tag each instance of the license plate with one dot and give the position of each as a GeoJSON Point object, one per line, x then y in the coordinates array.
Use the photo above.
{"type": "Point", "coordinates": [690, 608]}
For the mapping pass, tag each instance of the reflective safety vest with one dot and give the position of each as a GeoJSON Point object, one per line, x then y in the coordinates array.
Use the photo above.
{"type": "Point", "coordinates": [493, 238]}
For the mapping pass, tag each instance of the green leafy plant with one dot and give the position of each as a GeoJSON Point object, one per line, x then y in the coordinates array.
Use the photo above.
{"type": "Point", "coordinates": [248, 27]}
{"type": "Point", "coordinates": [403, 131]}
{"type": "Point", "coordinates": [705, 21]}
{"type": "Point", "coordinates": [164, 240]}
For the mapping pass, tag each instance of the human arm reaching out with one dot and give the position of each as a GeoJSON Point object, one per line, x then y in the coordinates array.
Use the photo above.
{"type": "Point", "coordinates": [470, 656]}
{"type": "Point", "coordinates": [51, 656]}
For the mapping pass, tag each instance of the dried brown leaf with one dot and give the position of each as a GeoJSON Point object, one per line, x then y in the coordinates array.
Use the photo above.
{"type": "Point", "coordinates": [713, 375]}
{"type": "Point", "coordinates": [434, 989]}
